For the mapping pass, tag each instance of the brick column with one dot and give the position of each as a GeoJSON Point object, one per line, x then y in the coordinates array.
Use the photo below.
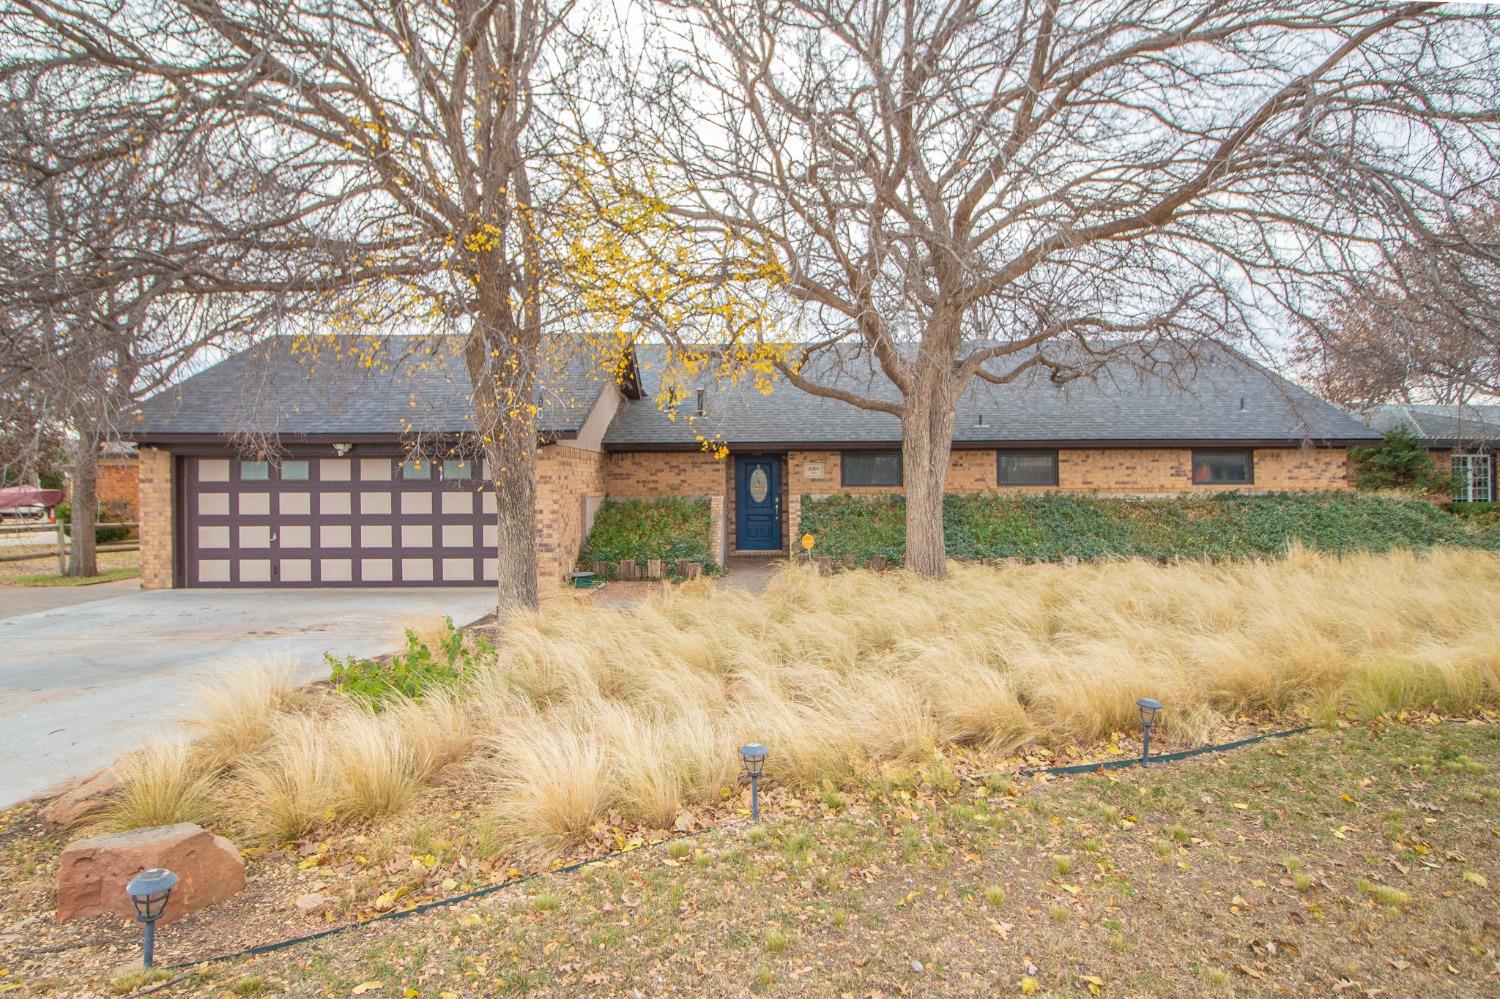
{"type": "Point", "coordinates": [156, 518]}
{"type": "Point", "coordinates": [794, 524]}
{"type": "Point", "coordinates": [719, 529]}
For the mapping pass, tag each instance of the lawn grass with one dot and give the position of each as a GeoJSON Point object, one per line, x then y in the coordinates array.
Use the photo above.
{"type": "Point", "coordinates": [105, 576]}
{"type": "Point", "coordinates": [1359, 860]}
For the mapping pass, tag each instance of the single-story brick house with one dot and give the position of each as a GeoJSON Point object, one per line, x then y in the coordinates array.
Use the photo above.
{"type": "Point", "coordinates": [1463, 440]}
{"type": "Point", "coordinates": [342, 499]}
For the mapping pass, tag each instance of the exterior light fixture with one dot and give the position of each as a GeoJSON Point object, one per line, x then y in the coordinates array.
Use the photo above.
{"type": "Point", "coordinates": [753, 756]}
{"type": "Point", "coordinates": [1149, 709]}
{"type": "Point", "coordinates": [149, 891]}
{"type": "Point", "coordinates": [342, 449]}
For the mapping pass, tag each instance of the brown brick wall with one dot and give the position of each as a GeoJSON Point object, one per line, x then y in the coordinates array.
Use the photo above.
{"type": "Point", "coordinates": [155, 499]}
{"type": "Point", "coordinates": [968, 472]}
{"type": "Point", "coordinates": [663, 473]}
{"type": "Point", "coordinates": [1104, 470]}
{"type": "Point", "coordinates": [118, 485]}
{"type": "Point", "coordinates": [565, 478]}
{"type": "Point", "coordinates": [1299, 469]}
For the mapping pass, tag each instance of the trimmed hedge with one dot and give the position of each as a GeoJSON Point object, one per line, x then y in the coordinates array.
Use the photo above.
{"type": "Point", "coordinates": [670, 528]}
{"type": "Point", "coordinates": [1050, 526]}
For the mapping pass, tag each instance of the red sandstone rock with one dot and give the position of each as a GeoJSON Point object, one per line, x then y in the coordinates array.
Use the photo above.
{"type": "Point", "coordinates": [94, 871]}
{"type": "Point", "coordinates": [72, 805]}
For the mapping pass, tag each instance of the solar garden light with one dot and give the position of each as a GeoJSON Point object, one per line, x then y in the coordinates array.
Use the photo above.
{"type": "Point", "coordinates": [1149, 708]}
{"type": "Point", "coordinates": [149, 891]}
{"type": "Point", "coordinates": [753, 756]}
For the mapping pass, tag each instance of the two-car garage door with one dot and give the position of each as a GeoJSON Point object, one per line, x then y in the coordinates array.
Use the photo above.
{"type": "Point", "coordinates": [356, 520]}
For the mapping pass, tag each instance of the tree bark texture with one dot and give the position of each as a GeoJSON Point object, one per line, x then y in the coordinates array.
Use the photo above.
{"type": "Point", "coordinates": [83, 556]}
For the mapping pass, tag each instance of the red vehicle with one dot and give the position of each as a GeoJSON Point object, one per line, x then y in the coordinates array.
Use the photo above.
{"type": "Point", "coordinates": [28, 504]}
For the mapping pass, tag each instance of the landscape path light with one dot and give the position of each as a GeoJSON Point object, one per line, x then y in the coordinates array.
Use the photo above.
{"type": "Point", "coordinates": [753, 756]}
{"type": "Point", "coordinates": [149, 891]}
{"type": "Point", "coordinates": [1149, 709]}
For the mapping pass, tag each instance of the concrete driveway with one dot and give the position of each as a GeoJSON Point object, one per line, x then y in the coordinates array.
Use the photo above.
{"type": "Point", "coordinates": [80, 682]}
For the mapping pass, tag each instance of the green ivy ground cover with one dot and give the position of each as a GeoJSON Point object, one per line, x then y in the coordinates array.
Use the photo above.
{"type": "Point", "coordinates": [1051, 526]}
{"type": "Point", "coordinates": [670, 528]}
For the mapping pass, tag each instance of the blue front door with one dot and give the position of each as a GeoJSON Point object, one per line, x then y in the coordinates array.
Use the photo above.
{"type": "Point", "coordinates": [758, 504]}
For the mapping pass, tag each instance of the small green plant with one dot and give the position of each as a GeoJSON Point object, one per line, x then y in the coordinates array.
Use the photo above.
{"type": "Point", "coordinates": [1062, 866]}
{"type": "Point", "coordinates": [545, 902]}
{"type": "Point", "coordinates": [132, 981]}
{"type": "Point", "coordinates": [798, 845]}
{"type": "Point", "coordinates": [941, 775]}
{"type": "Point", "coordinates": [1162, 848]}
{"type": "Point", "coordinates": [1384, 894]}
{"type": "Point", "coordinates": [251, 985]}
{"type": "Point", "coordinates": [414, 671]}
{"type": "Point", "coordinates": [1302, 881]}
{"type": "Point", "coordinates": [994, 894]}
{"type": "Point", "coordinates": [678, 850]}
{"type": "Point", "coordinates": [1059, 914]}
{"type": "Point", "coordinates": [1179, 834]}
{"type": "Point", "coordinates": [776, 940]}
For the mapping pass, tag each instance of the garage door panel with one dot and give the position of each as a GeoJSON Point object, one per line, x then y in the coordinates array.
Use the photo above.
{"type": "Point", "coordinates": [329, 521]}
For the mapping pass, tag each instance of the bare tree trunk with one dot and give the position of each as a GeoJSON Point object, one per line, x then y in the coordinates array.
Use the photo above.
{"type": "Point", "coordinates": [83, 558]}
{"type": "Point", "coordinates": [926, 440]}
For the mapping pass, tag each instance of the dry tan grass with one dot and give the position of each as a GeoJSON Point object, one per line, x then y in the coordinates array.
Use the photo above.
{"type": "Point", "coordinates": [233, 711]}
{"type": "Point", "coordinates": [640, 709]}
{"type": "Point", "coordinates": [161, 784]}
{"type": "Point", "coordinates": [288, 787]}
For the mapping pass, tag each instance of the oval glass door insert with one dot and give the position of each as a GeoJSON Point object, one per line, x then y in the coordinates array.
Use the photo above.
{"type": "Point", "coordinates": [760, 484]}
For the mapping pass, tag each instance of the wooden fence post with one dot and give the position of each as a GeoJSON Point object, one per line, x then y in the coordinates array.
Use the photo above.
{"type": "Point", "coordinates": [61, 535]}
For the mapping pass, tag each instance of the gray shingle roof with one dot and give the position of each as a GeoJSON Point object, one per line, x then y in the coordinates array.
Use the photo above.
{"type": "Point", "coordinates": [1230, 399]}
{"type": "Point", "coordinates": [414, 385]}
{"type": "Point", "coordinates": [420, 385]}
{"type": "Point", "coordinates": [1456, 424]}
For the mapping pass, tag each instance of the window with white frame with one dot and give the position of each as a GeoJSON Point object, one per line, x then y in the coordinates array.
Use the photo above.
{"type": "Point", "coordinates": [1473, 478]}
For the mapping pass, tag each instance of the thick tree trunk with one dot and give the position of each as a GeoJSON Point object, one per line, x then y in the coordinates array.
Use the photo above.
{"type": "Point", "coordinates": [512, 463]}
{"type": "Point", "coordinates": [926, 440]}
{"type": "Point", "coordinates": [502, 361]}
{"type": "Point", "coordinates": [83, 460]}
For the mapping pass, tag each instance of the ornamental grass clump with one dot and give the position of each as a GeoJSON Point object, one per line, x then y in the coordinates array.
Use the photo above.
{"type": "Point", "coordinates": [581, 712]}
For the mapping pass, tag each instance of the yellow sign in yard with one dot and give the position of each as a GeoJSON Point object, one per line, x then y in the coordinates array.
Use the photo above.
{"type": "Point", "coordinates": [807, 541]}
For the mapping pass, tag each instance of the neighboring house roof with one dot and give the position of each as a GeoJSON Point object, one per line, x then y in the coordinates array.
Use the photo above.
{"type": "Point", "coordinates": [1448, 425]}
{"type": "Point", "coordinates": [412, 385]}
{"type": "Point", "coordinates": [1227, 398]}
